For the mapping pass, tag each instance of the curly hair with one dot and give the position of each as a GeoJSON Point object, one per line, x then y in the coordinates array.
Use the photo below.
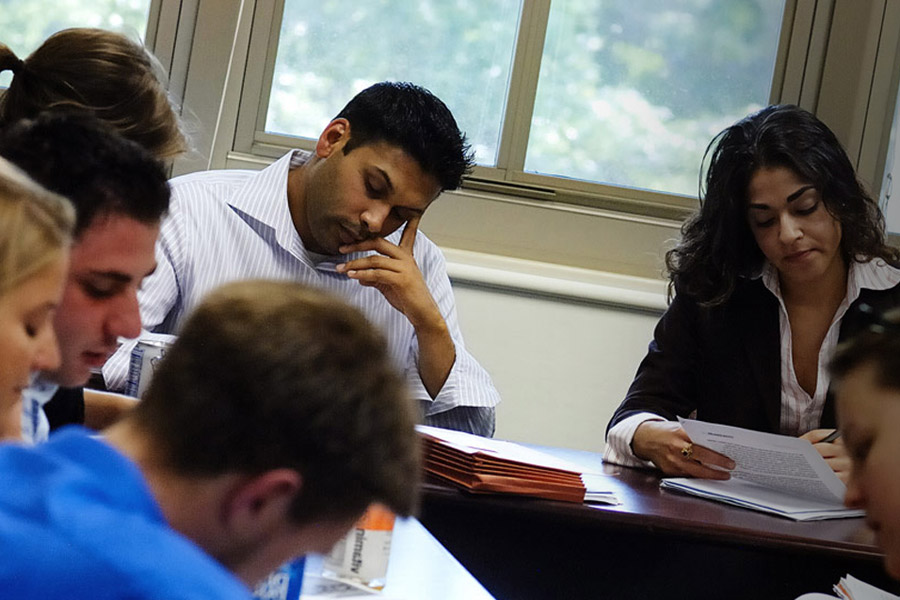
{"type": "Point", "coordinates": [717, 245]}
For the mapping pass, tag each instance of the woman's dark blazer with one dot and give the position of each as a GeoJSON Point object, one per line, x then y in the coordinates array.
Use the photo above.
{"type": "Point", "coordinates": [725, 362]}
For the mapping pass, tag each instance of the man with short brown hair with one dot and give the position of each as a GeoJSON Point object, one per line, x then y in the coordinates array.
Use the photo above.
{"type": "Point", "coordinates": [271, 424]}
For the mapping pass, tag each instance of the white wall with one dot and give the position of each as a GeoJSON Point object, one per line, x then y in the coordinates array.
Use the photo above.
{"type": "Point", "coordinates": [561, 364]}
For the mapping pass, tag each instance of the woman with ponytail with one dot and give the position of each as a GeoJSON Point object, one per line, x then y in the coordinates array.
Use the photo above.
{"type": "Point", "coordinates": [99, 72]}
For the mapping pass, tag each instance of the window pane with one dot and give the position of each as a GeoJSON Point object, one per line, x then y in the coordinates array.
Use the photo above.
{"type": "Point", "coordinates": [24, 24]}
{"type": "Point", "coordinates": [632, 91]}
{"type": "Point", "coordinates": [329, 50]}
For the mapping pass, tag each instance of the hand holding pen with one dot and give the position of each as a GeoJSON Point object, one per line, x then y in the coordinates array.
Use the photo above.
{"type": "Point", "coordinates": [831, 437]}
{"type": "Point", "coordinates": [829, 444]}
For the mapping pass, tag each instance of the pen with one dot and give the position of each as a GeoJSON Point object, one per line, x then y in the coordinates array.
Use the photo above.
{"type": "Point", "coordinates": [830, 437]}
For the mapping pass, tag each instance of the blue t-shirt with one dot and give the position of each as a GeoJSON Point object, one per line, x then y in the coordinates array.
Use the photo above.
{"type": "Point", "coordinates": [77, 520]}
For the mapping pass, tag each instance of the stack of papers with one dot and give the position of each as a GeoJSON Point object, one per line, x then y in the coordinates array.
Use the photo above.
{"type": "Point", "coordinates": [597, 490]}
{"type": "Point", "coordinates": [777, 474]}
{"type": "Point", "coordinates": [851, 588]}
{"type": "Point", "coordinates": [486, 466]}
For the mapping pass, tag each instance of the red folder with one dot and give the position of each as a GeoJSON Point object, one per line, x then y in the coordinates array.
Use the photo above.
{"type": "Point", "coordinates": [487, 466]}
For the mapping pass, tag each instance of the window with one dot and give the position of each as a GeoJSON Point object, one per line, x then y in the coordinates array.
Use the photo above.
{"type": "Point", "coordinates": [631, 92]}
{"type": "Point", "coordinates": [25, 24]}
{"type": "Point", "coordinates": [328, 51]}
{"type": "Point", "coordinates": [625, 93]}
{"type": "Point", "coordinates": [590, 117]}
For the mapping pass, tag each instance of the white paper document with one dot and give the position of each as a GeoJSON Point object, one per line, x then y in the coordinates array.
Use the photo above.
{"type": "Point", "coordinates": [598, 490]}
{"type": "Point", "coordinates": [774, 473]}
{"type": "Point", "coordinates": [851, 588]}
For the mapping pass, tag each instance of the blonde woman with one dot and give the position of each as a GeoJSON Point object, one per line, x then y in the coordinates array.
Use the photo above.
{"type": "Point", "coordinates": [35, 232]}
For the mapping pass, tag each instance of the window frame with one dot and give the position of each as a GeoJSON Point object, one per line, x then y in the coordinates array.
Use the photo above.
{"type": "Point", "coordinates": [228, 76]}
{"type": "Point", "coordinates": [169, 37]}
{"type": "Point", "coordinates": [508, 177]}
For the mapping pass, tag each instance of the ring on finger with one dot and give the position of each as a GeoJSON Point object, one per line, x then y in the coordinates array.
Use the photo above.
{"type": "Point", "coordinates": [688, 451]}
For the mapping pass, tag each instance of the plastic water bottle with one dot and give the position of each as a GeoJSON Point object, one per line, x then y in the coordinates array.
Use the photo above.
{"type": "Point", "coordinates": [362, 555]}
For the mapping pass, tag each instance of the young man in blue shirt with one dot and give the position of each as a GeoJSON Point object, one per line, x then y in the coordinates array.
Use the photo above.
{"type": "Point", "coordinates": [271, 424]}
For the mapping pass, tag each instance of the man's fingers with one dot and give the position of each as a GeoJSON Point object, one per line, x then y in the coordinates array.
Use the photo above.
{"type": "Point", "coordinates": [375, 261]}
{"type": "Point", "coordinates": [408, 238]}
{"type": "Point", "coordinates": [380, 245]}
{"type": "Point", "coordinates": [372, 277]}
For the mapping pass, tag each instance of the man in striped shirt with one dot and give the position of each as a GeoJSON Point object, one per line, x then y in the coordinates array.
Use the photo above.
{"type": "Point", "coordinates": [344, 218]}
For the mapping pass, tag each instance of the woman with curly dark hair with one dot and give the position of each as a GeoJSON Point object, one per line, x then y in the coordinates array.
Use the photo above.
{"type": "Point", "coordinates": [786, 240]}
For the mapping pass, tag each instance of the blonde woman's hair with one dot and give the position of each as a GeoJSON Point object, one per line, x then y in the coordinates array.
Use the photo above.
{"type": "Point", "coordinates": [35, 226]}
{"type": "Point", "coordinates": [100, 72]}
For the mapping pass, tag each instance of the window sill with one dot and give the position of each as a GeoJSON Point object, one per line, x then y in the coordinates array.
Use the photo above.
{"type": "Point", "coordinates": [556, 281]}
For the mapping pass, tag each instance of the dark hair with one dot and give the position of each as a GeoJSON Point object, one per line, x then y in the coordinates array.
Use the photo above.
{"type": "Point", "coordinates": [717, 245]}
{"type": "Point", "coordinates": [878, 345]}
{"type": "Point", "coordinates": [268, 375]}
{"type": "Point", "coordinates": [415, 120]}
{"type": "Point", "coordinates": [97, 71]}
{"type": "Point", "coordinates": [85, 160]}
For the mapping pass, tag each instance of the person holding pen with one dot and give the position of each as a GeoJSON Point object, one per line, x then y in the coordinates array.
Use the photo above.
{"type": "Point", "coordinates": [831, 437]}
{"type": "Point", "coordinates": [786, 240]}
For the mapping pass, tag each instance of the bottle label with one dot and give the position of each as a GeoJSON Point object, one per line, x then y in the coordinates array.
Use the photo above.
{"type": "Point", "coordinates": [362, 554]}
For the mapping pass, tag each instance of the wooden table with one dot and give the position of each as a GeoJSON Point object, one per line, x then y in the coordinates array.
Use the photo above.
{"type": "Point", "coordinates": [656, 544]}
{"type": "Point", "coordinates": [420, 568]}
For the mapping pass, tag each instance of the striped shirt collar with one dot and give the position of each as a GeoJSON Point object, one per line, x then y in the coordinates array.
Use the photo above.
{"type": "Point", "coordinates": [801, 411]}
{"type": "Point", "coordinates": [873, 274]}
{"type": "Point", "coordinates": [263, 198]}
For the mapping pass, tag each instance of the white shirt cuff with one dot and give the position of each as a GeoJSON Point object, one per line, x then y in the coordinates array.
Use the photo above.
{"type": "Point", "coordinates": [618, 441]}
